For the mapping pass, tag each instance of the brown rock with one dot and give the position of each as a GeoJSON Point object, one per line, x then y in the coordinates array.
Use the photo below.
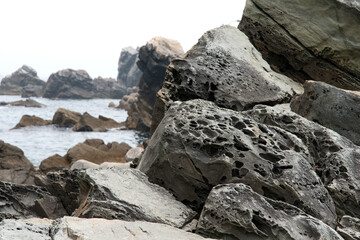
{"type": "Point", "coordinates": [88, 123]}
{"type": "Point", "coordinates": [12, 157]}
{"type": "Point", "coordinates": [54, 163]}
{"type": "Point", "coordinates": [27, 103]}
{"type": "Point", "coordinates": [27, 121]}
{"type": "Point", "coordinates": [65, 118]}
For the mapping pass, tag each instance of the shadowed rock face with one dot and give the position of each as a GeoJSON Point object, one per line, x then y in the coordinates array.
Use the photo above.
{"type": "Point", "coordinates": [235, 211]}
{"type": "Point", "coordinates": [223, 67]}
{"type": "Point", "coordinates": [293, 36]}
{"type": "Point", "coordinates": [128, 72]}
{"type": "Point", "coordinates": [199, 145]}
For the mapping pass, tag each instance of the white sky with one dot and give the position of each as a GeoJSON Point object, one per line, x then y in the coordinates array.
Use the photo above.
{"type": "Point", "coordinates": [50, 35]}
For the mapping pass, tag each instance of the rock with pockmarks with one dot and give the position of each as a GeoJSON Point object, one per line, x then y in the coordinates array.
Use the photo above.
{"type": "Point", "coordinates": [199, 145]}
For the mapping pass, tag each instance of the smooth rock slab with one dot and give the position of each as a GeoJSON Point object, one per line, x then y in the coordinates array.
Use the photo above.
{"type": "Point", "coordinates": [25, 229]}
{"type": "Point", "coordinates": [126, 194]}
{"type": "Point", "coordinates": [235, 211]}
{"type": "Point", "coordinates": [199, 145]}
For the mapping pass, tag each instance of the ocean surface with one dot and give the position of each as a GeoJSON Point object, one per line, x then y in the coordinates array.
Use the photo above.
{"type": "Point", "coordinates": [38, 143]}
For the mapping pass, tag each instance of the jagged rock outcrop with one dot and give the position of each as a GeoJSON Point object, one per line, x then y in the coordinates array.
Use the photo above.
{"type": "Point", "coordinates": [108, 88]}
{"type": "Point", "coordinates": [23, 79]}
{"type": "Point", "coordinates": [330, 106]}
{"type": "Point", "coordinates": [66, 118]}
{"type": "Point", "coordinates": [223, 67]}
{"type": "Point", "coordinates": [303, 49]}
{"type": "Point", "coordinates": [128, 72]}
{"type": "Point", "coordinates": [199, 145]}
{"type": "Point", "coordinates": [88, 123]}
{"type": "Point", "coordinates": [336, 157]}
{"type": "Point", "coordinates": [235, 211]}
{"type": "Point", "coordinates": [154, 57]}
{"type": "Point", "coordinates": [31, 121]}
{"type": "Point", "coordinates": [349, 228]}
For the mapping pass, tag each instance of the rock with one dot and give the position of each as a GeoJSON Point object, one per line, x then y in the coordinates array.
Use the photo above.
{"type": "Point", "coordinates": [97, 152]}
{"type": "Point", "coordinates": [65, 118]}
{"type": "Point", "coordinates": [336, 158]}
{"type": "Point", "coordinates": [129, 100]}
{"type": "Point", "coordinates": [235, 211]}
{"type": "Point", "coordinates": [342, 111]}
{"type": "Point", "coordinates": [154, 57]}
{"type": "Point", "coordinates": [108, 88]}
{"type": "Point", "coordinates": [83, 164]}
{"type": "Point", "coordinates": [27, 103]}
{"type": "Point", "coordinates": [25, 78]}
{"type": "Point", "coordinates": [349, 228]}
{"type": "Point", "coordinates": [134, 199]}
{"type": "Point", "coordinates": [134, 155]}
{"type": "Point", "coordinates": [223, 67]}
{"type": "Point", "coordinates": [24, 201]}
{"type": "Point", "coordinates": [54, 163]}
{"type": "Point", "coordinates": [115, 164]}
{"type": "Point", "coordinates": [88, 123]}
{"type": "Point", "coordinates": [29, 229]}
{"type": "Point", "coordinates": [28, 121]}
{"type": "Point", "coordinates": [128, 72]}
{"type": "Point", "coordinates": [199, 145]}
{"type": "Point", "coordinates": [302, 49]}
{"type": "Point", "coordinates": [112, 105]}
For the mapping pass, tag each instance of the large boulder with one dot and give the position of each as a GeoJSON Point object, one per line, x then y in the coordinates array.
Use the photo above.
{"type": "Point", "coordinates": [294, 38]}
{"type": "Point", "coordinates": [336, 157]}
{"type": "Point", "coordinates": [66, 118]}
{"type": "Point", "coordinates": [25, 78]}
{"type": "Point", "coordinates": [108, 88]}
{"type": "Point", "coordinates": [128, 72]}
{"type": "Point", "coordinates": [129, 196]}
{"type": "Point", "coordinates": [332, 107]}
{"type": "Point", "coordinates": [199, 145]}
{"type": "Point", "coordinates": [154, 57]}
{"type": "Point", "coordinates": [235, 211]}
{"type": "Point", "coordinates": [88, 123]}
{"type": "Point", "coordinates": [54, 163]}
{"type": "Point", "coordinates": [28, 121]}
{"type": "Point", "coordinates": [223, 67]}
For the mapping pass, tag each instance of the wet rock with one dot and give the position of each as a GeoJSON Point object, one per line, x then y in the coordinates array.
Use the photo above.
{"type": "Point", "coordinates": [28, 121]}
{"type": "Point", "coordinates": [88, 123]}
{"type": "Point", "coordinates": [349, 228]}
{"type": "Point", "coordinates": [336, 157]}
{"type": "Point", "coordinates": [128, 72]}
{"type": "Point", "coordinates": [25, 78]}
{"type": "Point", "coordinates": [27, 103]}
{"type": "Point", "coordinates": [154, 57]}
{"type": "Point", "coordinates": [332, 107]}
{"type": "Point", "coordinates": [302, 49]}
{"type": "Point", "coordinates": [235, 211]}
{"type": "Point", "coordinates": [29, 229]}
{"type": "Point", "coordinates": [223, 67]}
{"type": "Point", "coordinates": [65, 118]}
{"type": "Point", "coordinates": [54, 163]}
{"type": "Point", "coordinates": [199, 145]}
{"type": "Point", "coordinates": [133, 199]}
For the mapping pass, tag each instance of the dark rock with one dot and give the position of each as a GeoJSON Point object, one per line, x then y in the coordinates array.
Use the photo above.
{"type": "Point", "coordinates": [65, 118]}
{"type": "Point", "coordinates": [88, 123]}
{"type": "Point", "coordinates": [128, 72]}
{"type": "Point", "coordinates": [199, 145]}
{"type": "Point", "coordinates": [332, 107]}
{"type": "Point", "coordinates": [235, 211]}
{"type": "Point", "coordinates": [294, 38]}
{"type": "Point", "coordinates": [12, 157]}
{"type": "Point", "coordinates": [28, 121]}
{"type": "Point", "coordinates": [27, 103]}
{"type": "Point", "coordinates": [336, 158]}
{"type": "Point", "coordinates": [23, 79]}
{"type": "Point", "coordinates": [223, 67]}
{"type": "Point", "coordinates": [349, 228]}
{"type": "Point", "coordinates": [154, 57]}
{"type": "Point", "coordinates": [108, 88]}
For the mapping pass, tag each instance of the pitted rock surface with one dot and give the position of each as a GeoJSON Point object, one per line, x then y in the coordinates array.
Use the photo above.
{"type": "Point", "coordinates": [224, 67]}
{"type": "Point", "coordinates": [235, 211]}
{"type": "Point", "coordinates": [199, 145]}
{"type": "Point", "coordinates": [336, 157]}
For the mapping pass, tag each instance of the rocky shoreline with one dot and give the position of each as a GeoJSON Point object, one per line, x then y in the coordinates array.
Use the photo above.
{"type": "Point", "coordinates": [252, 138]}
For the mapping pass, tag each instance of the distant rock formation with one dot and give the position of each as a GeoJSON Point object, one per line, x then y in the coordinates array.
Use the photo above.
{"type": "Point", "coordinates": [128, 72]}
{"type": "Point", "coordinates": [23, 81]}
{"type": "Point", "coordinates": [154, 58]}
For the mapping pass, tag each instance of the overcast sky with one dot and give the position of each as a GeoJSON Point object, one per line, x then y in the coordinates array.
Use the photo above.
{"type": "Point", "coordinates": [50, 35]}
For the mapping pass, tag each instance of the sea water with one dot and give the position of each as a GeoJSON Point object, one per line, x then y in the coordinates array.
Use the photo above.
{"type": "Point", "coordinates": [38, 143]}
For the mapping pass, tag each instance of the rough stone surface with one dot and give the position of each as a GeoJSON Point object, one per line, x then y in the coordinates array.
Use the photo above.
{"type": "Point", "coordinates": [349, 228]}
{"type": "Point", "coordinates": [28, 121]}
{"type": "Point", "coordinates": [25, 229]}
{"type": "Point", "coordinates": [25, 78]}
{"type": "Point", "coordinates": [332, 107]}
{"type": "Point", "coordinates": [294, 37]}
{"type": "Point", "coordinates": [154, 57]}
{"type": "Point", "coordinates": [54, 163]}
{"type": "Point", "coordinates": [108, 88]}
{"type": "Point", "coordinates": [65, 118]}
{"type": "Point", "coordinates": [129, 196]}
{"type": "Point", "coordinates": [336, 158]}
{"type": "Point", "coordinates": [235, 211]}
{"type": "Point", "coordinates": [128, 72]}
{"type": "Point", "coordinates": [199, 145]}
{"type": "Point", "coordinates": [223, 67]}
{"type": "Point", "coordinates": [127, 101]}
{"type": "Point", "coordinates": [88, 123]}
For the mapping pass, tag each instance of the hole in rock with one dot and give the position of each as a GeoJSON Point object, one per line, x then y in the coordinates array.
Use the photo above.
{"type": "Point", "coordinates": [239, 164]}
{"type": "Point", "coordinates": [271, 157]}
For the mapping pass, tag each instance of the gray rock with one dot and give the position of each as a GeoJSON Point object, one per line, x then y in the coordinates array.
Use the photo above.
{"type": "Point", "coordinates": [25, 229]}
{"type": "Point", "coordinates": [83, 164]}
{"type": "Point", "coordinates": [336, 157]}
{"type": "Point", "coordinates": [302, 48]}
{"type": "Point", "coordinates": [235, 211]}
{"type": "Point", "coordinates": [27, 103]}
{"type": "Point", "coordinates": [349, 228]}
{"type": "Point", "coordinates": [108, 88]}
{"type": "Point", "coordinates": [129, 196]}
{"type": "Point", "coordinates": [332, 107]}
{"type": "Point", "coordinates": [199, 145]}
{"type": "Point", "coordinates": [134, 154]}
{"type": "Point", "coordinates": [128, 72]}
{"type": "Point", "coordinates": [223, 67]}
